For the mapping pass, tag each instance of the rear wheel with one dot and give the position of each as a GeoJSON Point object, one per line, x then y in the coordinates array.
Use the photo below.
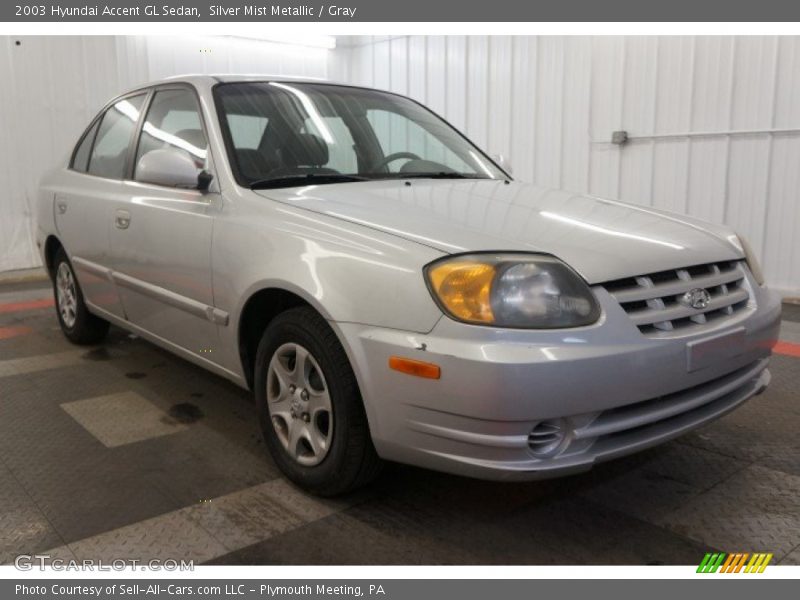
{"type": "Point", "coordinates": [309, 406]}
{"type": "Point", "coordinates": [77, 323]}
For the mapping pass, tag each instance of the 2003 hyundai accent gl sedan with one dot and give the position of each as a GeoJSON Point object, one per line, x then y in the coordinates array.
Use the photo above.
{"type": "Point", "coordinates": [387, 291]}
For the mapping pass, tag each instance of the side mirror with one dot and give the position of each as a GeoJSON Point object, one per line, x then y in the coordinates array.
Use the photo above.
{"type": "Point", "coordinates": [172, 167]}
{"type": "Point", "coordinates": [503, 163]}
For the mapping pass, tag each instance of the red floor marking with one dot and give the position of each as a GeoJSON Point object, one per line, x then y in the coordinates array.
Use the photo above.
{"type": "Point", "coordinates": [30, 305]}
{"type": "Point", "coordinates": [10, 332]}
{"type": "Point", "coordinates": [787, 349]}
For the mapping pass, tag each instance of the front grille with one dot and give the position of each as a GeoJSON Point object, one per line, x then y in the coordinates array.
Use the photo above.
{"type": "Point", "coordinates": [654, 301]}
{"type": "Point", "coordinates": [718, 395]}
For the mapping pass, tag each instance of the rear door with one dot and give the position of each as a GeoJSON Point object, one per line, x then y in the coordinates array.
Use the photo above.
{"type": "Point", "coordinates": [83, 206]}
{"type": "Point", "coordinates": [161, 237]}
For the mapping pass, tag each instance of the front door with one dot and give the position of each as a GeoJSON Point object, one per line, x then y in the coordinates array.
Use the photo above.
{"type": "Point", "coordinates": [161, 236]}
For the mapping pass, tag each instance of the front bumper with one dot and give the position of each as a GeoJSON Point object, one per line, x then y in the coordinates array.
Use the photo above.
{"type": "Point", "coordinates": [609, 389]}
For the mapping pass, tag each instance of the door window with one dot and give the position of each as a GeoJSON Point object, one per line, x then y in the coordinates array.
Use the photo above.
{"type": "Point", "coordinates": [109, 157]}
{"type": "Point", "coordinates": [173, 121]}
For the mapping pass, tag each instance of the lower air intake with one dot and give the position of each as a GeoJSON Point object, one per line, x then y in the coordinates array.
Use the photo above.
{"type": "Point", "coordinates": [547, 438]}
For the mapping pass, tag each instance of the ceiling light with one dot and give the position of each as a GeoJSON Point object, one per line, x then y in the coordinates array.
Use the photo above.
{"type": "Point", "coordinates": [314, 41]}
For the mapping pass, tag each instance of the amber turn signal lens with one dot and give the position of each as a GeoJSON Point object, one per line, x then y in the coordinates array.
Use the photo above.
{"type": "Point", "coordinates": [464, 287]}
{"type": "Point", "coordinates": [415, 367]}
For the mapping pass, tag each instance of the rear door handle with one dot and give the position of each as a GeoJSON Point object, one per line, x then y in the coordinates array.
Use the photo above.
{"type": "Point", "coordinates": [62, 207]}
{"type": "Point", "coordinates": [122, 220]}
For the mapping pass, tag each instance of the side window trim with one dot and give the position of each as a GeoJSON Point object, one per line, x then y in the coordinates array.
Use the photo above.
{"type": "Point", "coordinates": [130, 173]}
{"type": "Point", "coordinates": [133, 146]}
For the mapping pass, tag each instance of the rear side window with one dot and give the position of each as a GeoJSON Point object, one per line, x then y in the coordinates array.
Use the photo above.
{"type": "Point", "coordinates": [109, 156]}
{"type": "Point", "coordinates": [80, 162]}
{"type": "Point", "coordinates": [173, 121]}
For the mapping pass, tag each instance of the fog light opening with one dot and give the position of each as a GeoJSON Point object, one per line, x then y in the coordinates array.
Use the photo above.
{"type": "Point", "coordinates": [548, 438]}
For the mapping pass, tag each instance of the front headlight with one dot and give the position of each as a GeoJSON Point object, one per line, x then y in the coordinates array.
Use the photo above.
{"type": "Point", "coordinates": [530, 291]}
{"type": "Point", "coordinates": [750, 258]}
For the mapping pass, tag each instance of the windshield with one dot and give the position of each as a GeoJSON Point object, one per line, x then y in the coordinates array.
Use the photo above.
{"type": "Point", "coordinates": [282, 134]}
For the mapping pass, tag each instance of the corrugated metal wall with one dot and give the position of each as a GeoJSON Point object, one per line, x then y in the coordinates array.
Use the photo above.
{"type": "Point", "coordinates": [53, 86]}
{"type": "Point", "coordinates": [708, 117]}
{"type": "Point", "coordinates": [550, 103]}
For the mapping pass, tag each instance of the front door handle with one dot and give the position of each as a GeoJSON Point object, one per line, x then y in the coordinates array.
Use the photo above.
{"type": "Point", "coordinates": [122, 220]}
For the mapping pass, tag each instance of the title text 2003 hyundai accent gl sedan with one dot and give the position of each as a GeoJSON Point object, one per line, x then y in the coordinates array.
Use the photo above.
{"type": "Point", "coordinates": [386, 289]}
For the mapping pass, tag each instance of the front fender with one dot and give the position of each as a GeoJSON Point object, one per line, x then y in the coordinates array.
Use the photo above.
{"type": "Point", "coordinates": [349, 273]}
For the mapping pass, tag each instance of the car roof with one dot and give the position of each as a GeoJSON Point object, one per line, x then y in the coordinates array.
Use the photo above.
{"type": "Point", "coordinates": [202, 81]}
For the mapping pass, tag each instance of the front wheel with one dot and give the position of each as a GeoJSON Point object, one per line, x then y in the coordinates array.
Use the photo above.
{"type": "Point", "coordinates": [77, 323]}
{"type": "Point", "coordinates": [309, 406]}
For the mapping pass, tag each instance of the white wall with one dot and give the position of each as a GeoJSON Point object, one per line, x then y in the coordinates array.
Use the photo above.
{"type": "Point", "coordinates": [551, 103]}
{"type": "Point", "coordinates": [53, 86]}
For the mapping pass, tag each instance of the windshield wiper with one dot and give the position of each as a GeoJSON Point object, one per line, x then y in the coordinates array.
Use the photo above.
{"type": "Point", "coordinates": [325, 178]}
{"type": "Point", "coordinates": [435, 175]}
{"type": "Point", "coordinates": [306, 179]}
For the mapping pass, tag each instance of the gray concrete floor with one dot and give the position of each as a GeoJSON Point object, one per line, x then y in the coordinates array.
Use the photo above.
{"type": "Point", "coordinates": [125, 451]}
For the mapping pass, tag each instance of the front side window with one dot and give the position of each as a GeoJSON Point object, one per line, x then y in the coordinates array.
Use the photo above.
{"type": "Point", "coordinates": [173, 122]}
{"type": "Point", "coordinates": [333, 134]}
{"type": "Point", "coordinates": [109, 156]}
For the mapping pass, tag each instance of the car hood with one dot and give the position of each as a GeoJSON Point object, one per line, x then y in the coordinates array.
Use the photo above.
{"type": "Point", "coordinates": [601, 239]}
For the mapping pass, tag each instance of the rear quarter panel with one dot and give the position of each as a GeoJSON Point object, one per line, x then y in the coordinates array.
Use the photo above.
{"type": "Point", "coordinates": [45, 217]}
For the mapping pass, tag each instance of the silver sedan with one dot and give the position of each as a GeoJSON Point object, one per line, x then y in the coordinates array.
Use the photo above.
{"type": "Point", "coordinates": [387, 291]}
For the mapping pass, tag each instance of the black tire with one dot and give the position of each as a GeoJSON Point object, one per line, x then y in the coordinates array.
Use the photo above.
{"type": "Point", "coordinates": [351, 460]}
{"type": "Point", "coordinates": [87, 328]}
